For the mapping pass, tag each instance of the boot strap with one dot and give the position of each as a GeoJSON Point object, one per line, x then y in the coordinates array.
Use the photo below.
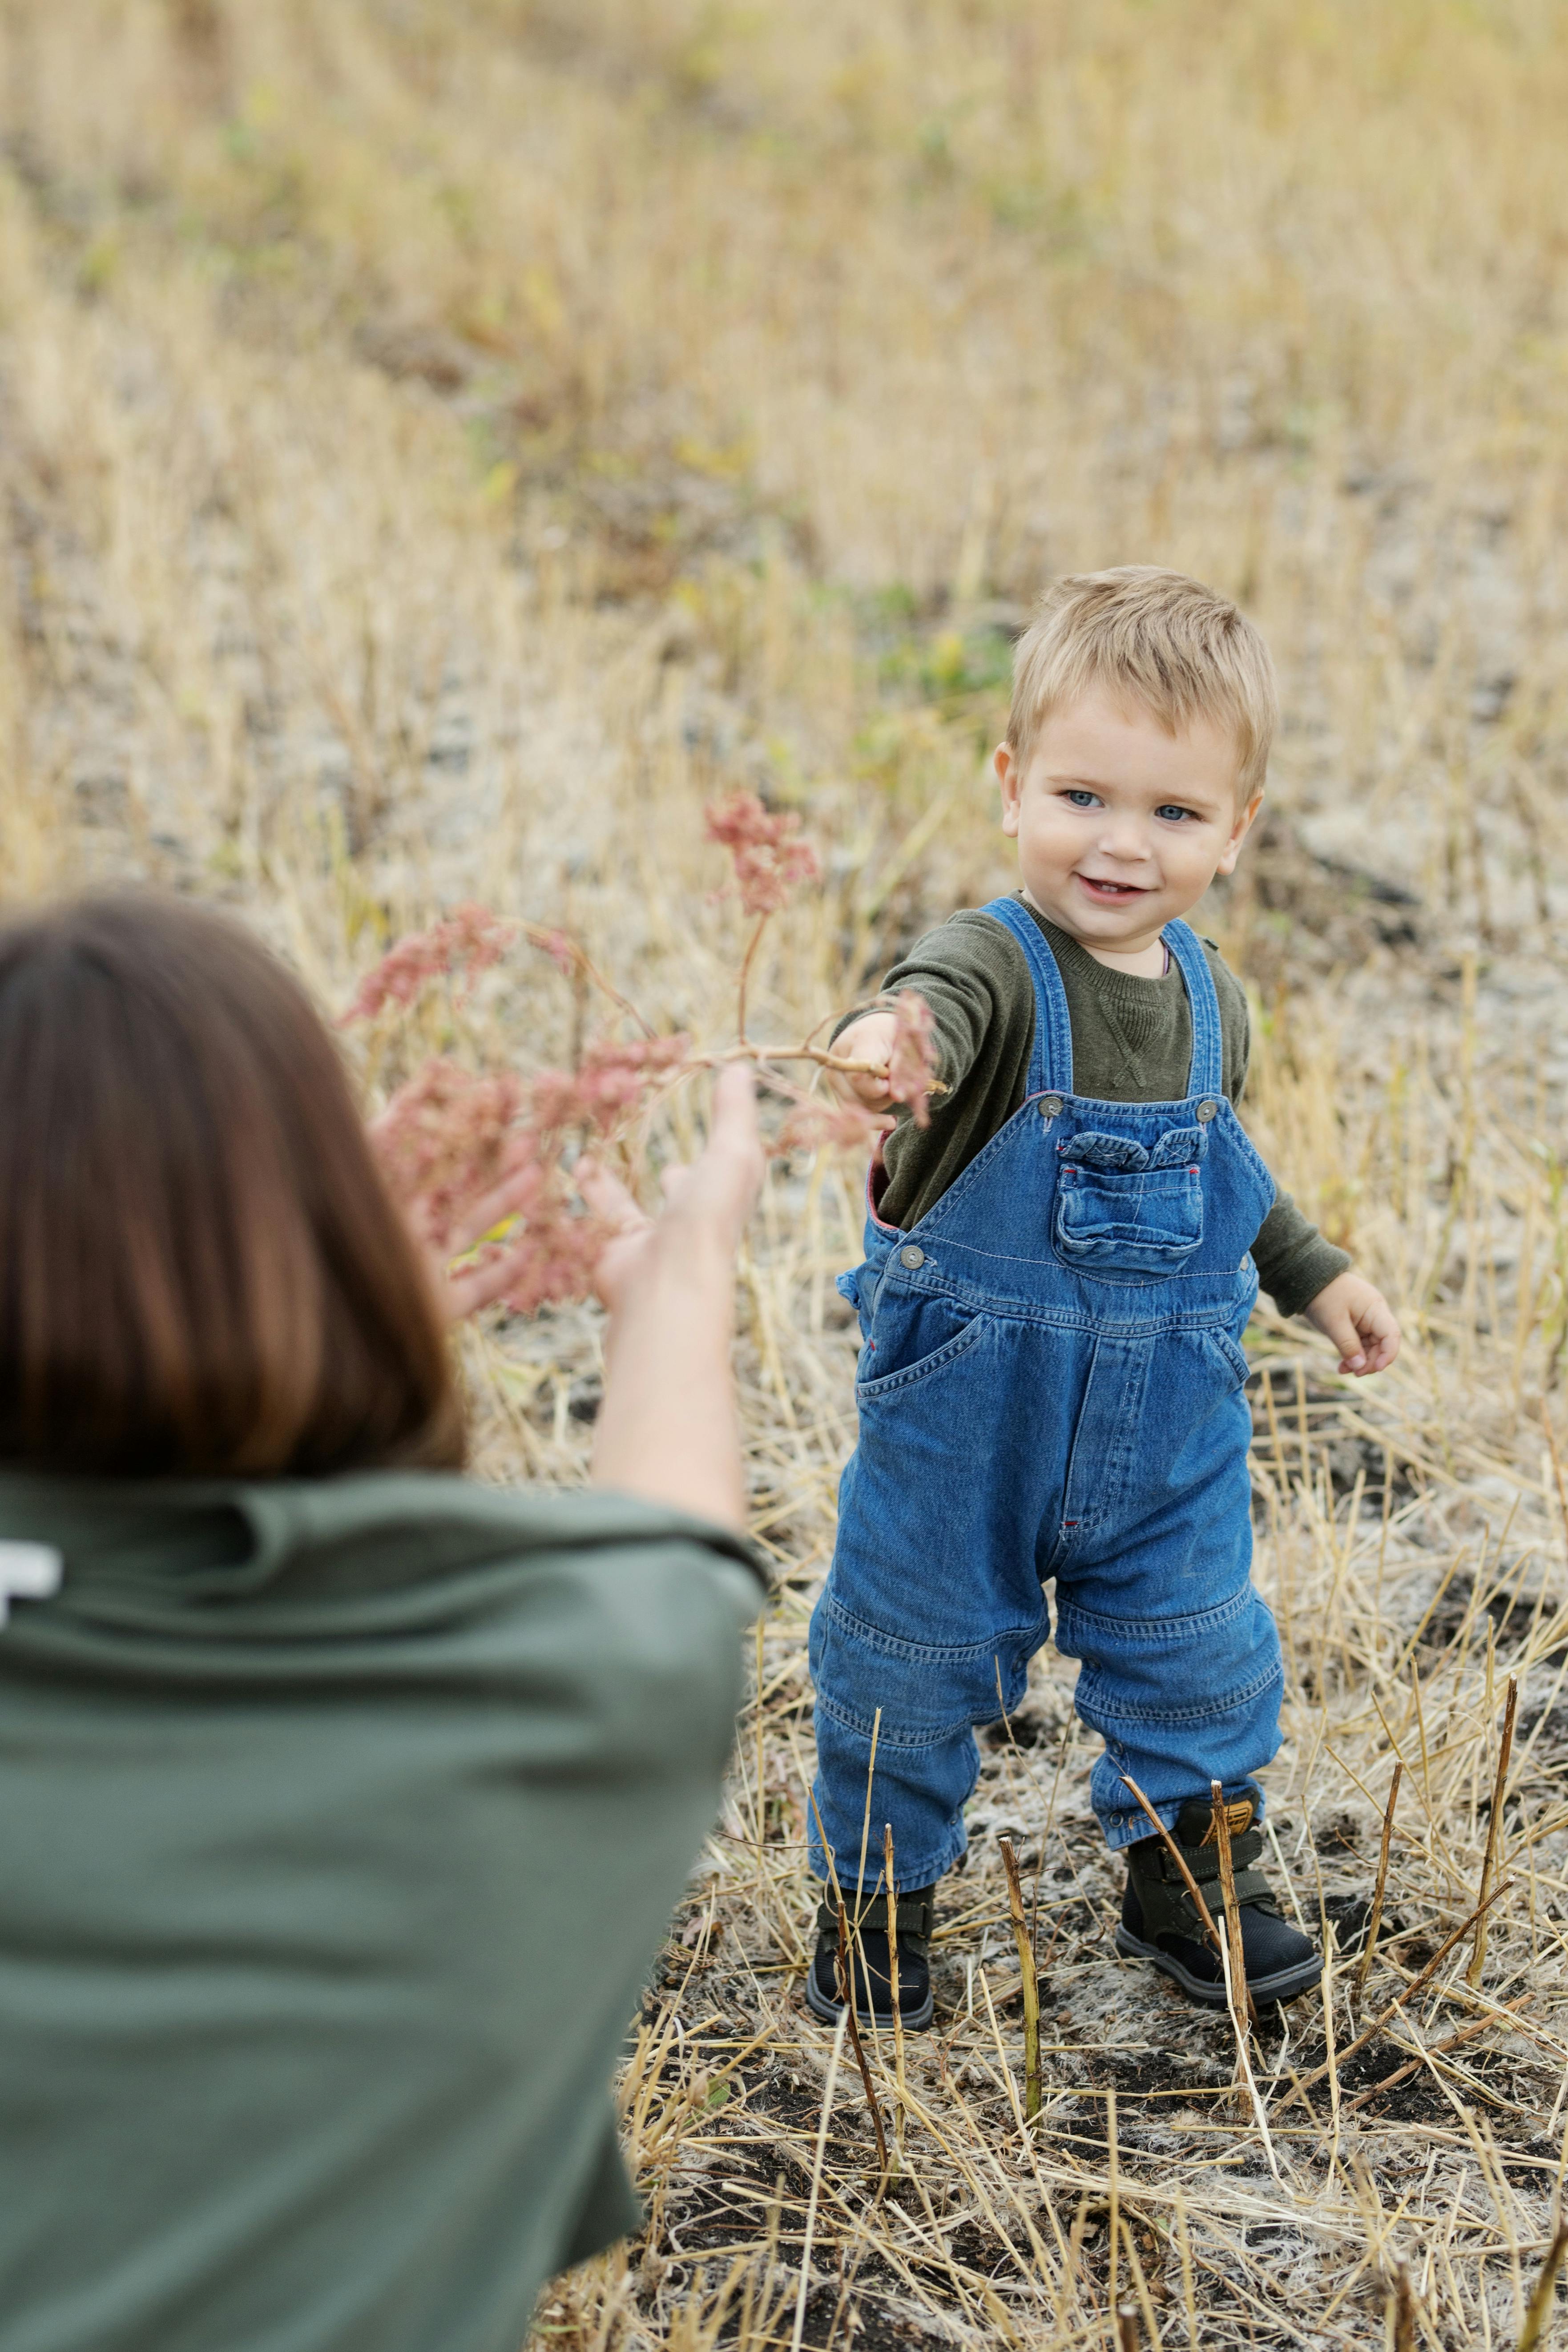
{"type": "Point", "coordinates": [1251, 1886]}
{"type": "Point", "coordinates": [913, 1914]}
{"type": "Point", "coordinates": [1204, 1863]}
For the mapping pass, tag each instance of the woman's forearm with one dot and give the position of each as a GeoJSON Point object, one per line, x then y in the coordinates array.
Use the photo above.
{"type": "Point", "coordinates": [668, 1429]}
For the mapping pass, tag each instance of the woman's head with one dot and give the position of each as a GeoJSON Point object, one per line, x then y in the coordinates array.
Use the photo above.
{"type": "Point", "coordinates": [201, 1271]}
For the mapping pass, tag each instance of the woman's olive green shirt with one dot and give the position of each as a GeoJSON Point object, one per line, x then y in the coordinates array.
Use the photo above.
{"type": "Point", "coordinates": [340, 1822]}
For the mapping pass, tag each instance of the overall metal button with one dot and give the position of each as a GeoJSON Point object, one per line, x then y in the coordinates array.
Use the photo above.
{"type": "Point", "coordinates": [1207, 1111]}
{"type": "Point", "coordinates": [911, 1257]}
{"type": "Point", "coordinates": [1051, 1106]}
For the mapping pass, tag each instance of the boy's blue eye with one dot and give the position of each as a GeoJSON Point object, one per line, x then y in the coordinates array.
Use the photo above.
{"type": "Point", "coordinates": [1080, 799]}
{"type": "Point", "coordinates": [1170, 810]}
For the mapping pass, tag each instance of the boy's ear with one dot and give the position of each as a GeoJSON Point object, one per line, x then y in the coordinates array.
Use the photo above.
{"type": "Point", "coordinates": [1243, 827]}
{"type": "Point", "coordinates": [1010, 776]}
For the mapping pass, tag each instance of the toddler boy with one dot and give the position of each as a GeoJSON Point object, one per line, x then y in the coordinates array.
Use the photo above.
{"type": "Point", "coordinates": [1058, 1271]}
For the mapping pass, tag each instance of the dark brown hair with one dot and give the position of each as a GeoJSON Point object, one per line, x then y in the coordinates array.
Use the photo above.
{"type": "Point", "coordinates": [202, 1272]}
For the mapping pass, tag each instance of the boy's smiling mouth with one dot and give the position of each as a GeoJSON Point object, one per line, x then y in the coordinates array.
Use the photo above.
{"type": "Point", "coordinates": [1110, 893]}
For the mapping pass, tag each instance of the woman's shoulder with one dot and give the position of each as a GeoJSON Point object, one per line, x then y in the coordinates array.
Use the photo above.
{"type": "Point", "coordinates": [194, 1552]}
{"type": "Point", "coordinates": [450, 1509]}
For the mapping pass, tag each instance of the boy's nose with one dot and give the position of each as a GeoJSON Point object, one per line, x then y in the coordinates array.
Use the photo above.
{"type": "Point", "coordinates": [1124, 839]}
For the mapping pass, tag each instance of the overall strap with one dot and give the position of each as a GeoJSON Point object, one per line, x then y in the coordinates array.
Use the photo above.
{"type": "Point", "coordinates": [1207, 1076]}
{"type": "Point", "coordinates": [1050, 1064]}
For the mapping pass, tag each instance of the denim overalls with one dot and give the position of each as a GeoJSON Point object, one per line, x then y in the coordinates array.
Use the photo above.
{"type": "Point", "coordinates": [1051, 1386]}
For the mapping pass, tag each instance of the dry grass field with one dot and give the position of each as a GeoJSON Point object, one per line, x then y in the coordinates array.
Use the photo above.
{"type": "Point", "coordinates": [445, 442]}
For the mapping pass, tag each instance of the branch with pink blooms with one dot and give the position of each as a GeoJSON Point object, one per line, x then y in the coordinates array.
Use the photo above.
{"type": "Point", "coordinates": [481, 1160]}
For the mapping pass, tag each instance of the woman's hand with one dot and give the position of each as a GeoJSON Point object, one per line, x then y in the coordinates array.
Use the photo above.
{"type": "Point", "coordinates": [668, 1429]}
{"type": "Point", "coordinates": [461, 1291]}
{"type": "Point", "coordinates": [706, 1204]}
{"type": "Point", "coordinates": [1360, 1321]}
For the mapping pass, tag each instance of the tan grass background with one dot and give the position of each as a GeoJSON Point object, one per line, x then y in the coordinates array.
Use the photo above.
{"type": "Point", "coordinates": [443, 442]}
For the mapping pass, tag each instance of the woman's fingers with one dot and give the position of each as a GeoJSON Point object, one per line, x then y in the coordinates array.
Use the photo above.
{"type": "Point", "coordinates": [631, 1228]}
{"type": "Point", "coordinates": [608, 1198]}
{"type": "Point", "coordinates": [480, 1285]}
{"type": "Point", "coordinates": [725, 1180]}
{"type": "Point", "coordinates": [505, 1200]}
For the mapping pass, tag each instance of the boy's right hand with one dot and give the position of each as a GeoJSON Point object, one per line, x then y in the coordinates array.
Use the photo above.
{"type": "Point", "coordinates": [1360, 1321]}
{"type": "Point", "coordinates": [869, 1039]}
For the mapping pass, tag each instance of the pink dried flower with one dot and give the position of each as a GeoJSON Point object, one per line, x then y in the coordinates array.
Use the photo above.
{"type": "Point", "coordinates": [445, 1139]}
{"type": "Point", "coordinates": [555, 1260]}
{"type": "Point", "coordinates": [470, 937]}
{"type": "Point", "coordinates": [560, 950]}
{"type": "Point", "coordinates": [607, 1086]}
{"type": "Point", "coordinates": [823, 1125]}
{"type": "Point", "coordinates": [911, 1062]}
{"type": "Point", "coordinates": [770, 861]}
{"type": "Point", "coordinates": [553, 1247]}
{"type": "Point", "coordinates": [451, 1139]}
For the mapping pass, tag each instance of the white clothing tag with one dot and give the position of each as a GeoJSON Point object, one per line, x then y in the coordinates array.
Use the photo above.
{"type": "Point", "coordinates": [28, 1571]}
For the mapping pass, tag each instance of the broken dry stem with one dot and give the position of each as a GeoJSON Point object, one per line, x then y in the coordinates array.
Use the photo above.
{"type": "Point", "coordinates": [847, 1995]}
{"type": "Point", "coordinates": [1244, 2002]}
{"type": "Point", "coordinates": [900, 2095]}
{"type": "Point", "coordinates": [556, 942]}
{"type": "Point", "coordinates": [1031, 1987]}
{"type": "Point", "coordinates": [1538, 2307]}
{"type": "Point", "coordinates": [829, 2083]}
{"type": "Point", "coordinates": [1494, 1830]}
{"type": "Point", "coordinates": [1403, 2313]}
{"type": "Point", "coordinates": [847, 1067]}
{"type": "Point", "coordinates": [1174, 1851]}
{"type": "Point", "coordinates": [1375, 1922]}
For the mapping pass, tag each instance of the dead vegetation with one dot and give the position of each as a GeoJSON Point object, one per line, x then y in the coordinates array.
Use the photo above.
{"type": "Point", "coordinates": [442, 447]}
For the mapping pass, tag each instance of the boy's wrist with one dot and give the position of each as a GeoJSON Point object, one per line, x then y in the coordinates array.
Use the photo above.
{"type": "Point", "coordinates": [1301, 1273]}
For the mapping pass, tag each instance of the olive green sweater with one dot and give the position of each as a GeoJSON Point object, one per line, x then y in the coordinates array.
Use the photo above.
{"type": "Point", "coordinates": [341, 1821]}
{"type": "Point", "coordinates": [1131, 1042]}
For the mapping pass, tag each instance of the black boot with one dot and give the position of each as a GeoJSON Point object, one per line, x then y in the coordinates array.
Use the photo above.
{"type": "Point", "coordinates": [868, 1961]}
{"type": "Point", "coordinates": [1159, 1921]}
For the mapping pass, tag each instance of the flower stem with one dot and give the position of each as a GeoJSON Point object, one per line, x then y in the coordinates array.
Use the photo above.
{"type": "Point", "coordinates": [752, 945]}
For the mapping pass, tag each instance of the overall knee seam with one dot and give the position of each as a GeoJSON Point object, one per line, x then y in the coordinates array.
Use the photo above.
{"type": "Point", "coordinates": [1102, 1713]}
{"type": "Point", "coordinates": [893, 1735]}
{"type": "Point", "coordinates": [1158, 1632]}
{"type": "Point", "coordinates": [934, 1654]}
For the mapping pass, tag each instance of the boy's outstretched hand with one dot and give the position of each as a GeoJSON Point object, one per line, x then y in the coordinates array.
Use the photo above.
{"type": "Point", "coordinates": [1360, 1321]}
{"type": "Point", "coordinates": [869, 1039]}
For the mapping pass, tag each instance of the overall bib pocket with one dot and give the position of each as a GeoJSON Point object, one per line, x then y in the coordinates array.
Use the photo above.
{"type": "Point", "coordinates": [1127, 1209]}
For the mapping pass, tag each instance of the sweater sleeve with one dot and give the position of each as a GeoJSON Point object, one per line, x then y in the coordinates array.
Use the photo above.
{"type": "Point", "coordinates": [1293, 1259]}
{"type": "Point", "coordinates": [972, 974]}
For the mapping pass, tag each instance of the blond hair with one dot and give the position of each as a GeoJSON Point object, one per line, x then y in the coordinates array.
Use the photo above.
{"type": "Point", "coordinates": [1155, 638]}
